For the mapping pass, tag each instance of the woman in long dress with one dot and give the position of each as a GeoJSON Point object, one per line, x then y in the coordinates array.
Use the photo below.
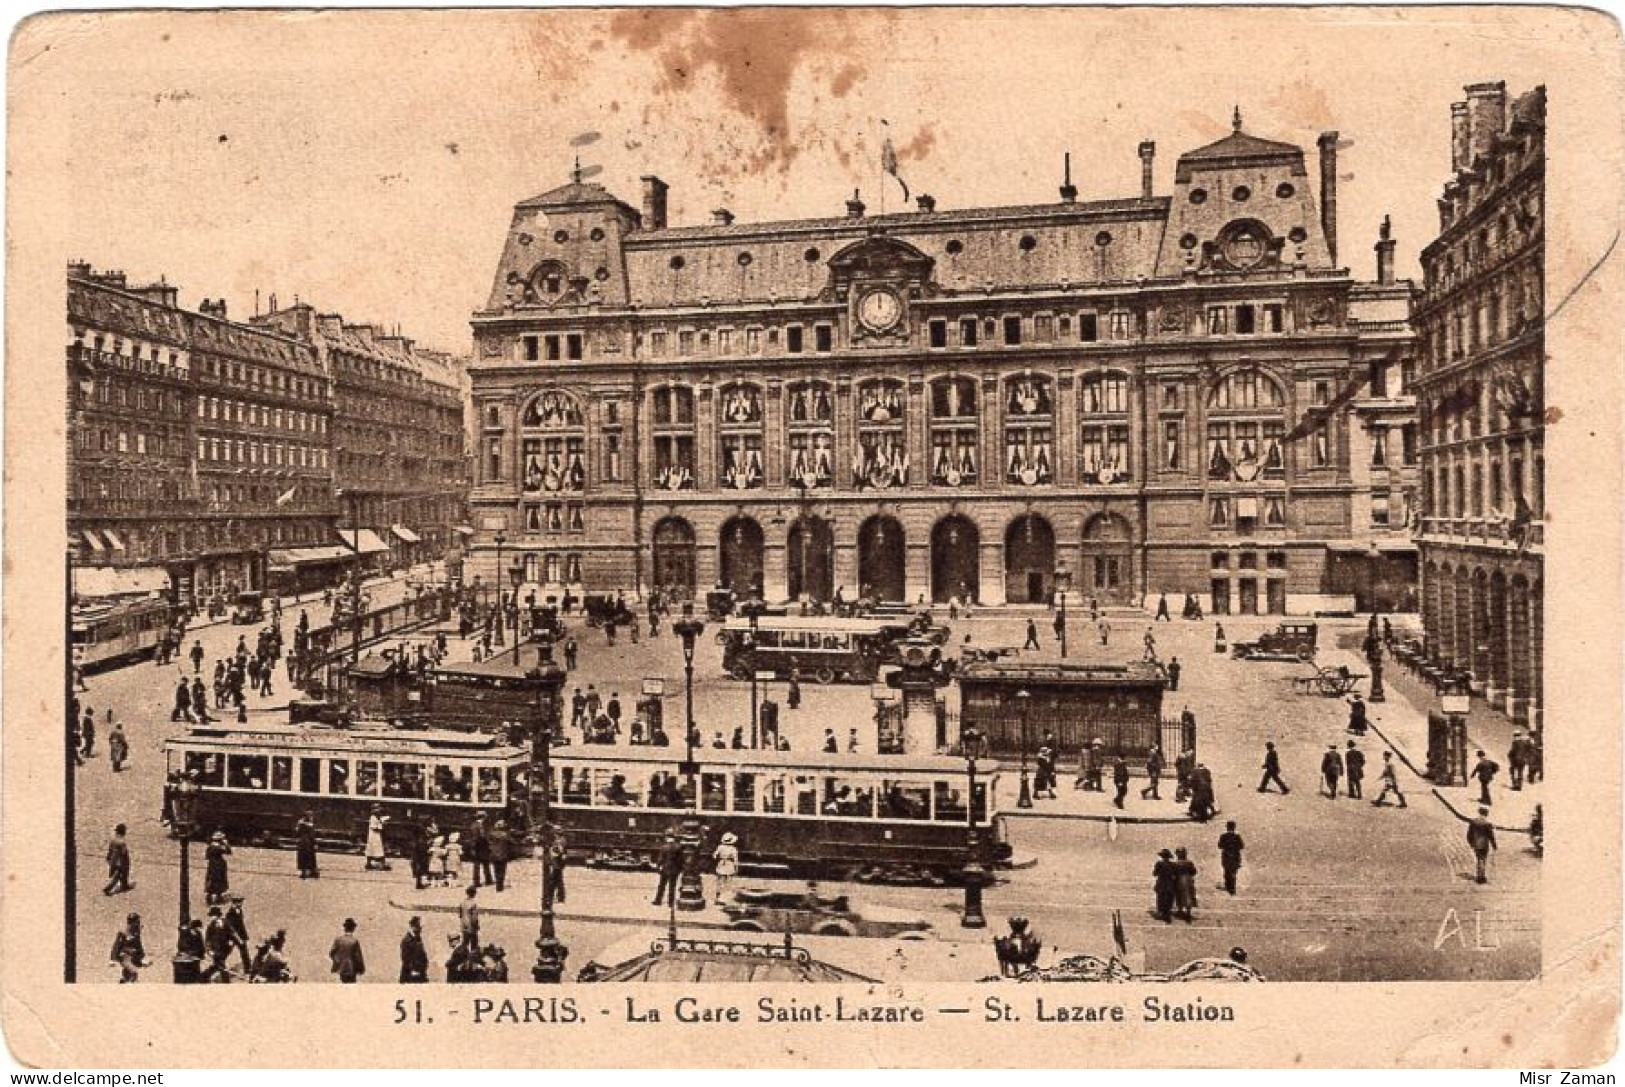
{"type": "Point", "coordinates": [727, 861]}
{"type": "Point", "coordinates": [305, 851]}
{"type": "Point", "coordinates": [376, 857]}
{"type": "Point", "coordinates": [216, 882]}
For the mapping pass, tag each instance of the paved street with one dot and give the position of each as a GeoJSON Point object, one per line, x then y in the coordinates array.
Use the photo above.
{"type": "Point", "coordinates": [1331, 889]}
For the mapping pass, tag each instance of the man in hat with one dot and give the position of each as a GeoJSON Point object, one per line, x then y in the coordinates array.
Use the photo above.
{"type": "Point", "coordinates": [1153, 773]}
{"type": "Point", "coordinates": [1119, 779]}
{"type": "Point", "coordinates": [216, 876]}
{"type": "Point", "coordinates": [480, 851]}
{"type": "Point", "coordinates": [414, 956]}
{"type": "Point", "coordinates": [1164, 875]}
{"type": "Point", "coordinates": [1331, 769]}
{"type": "Point", "coordinates": [1174, 669]}
{"type": "Point", "coordinates": [118, 863]}
{"type": "Point", "coordinates": [1484, 772]}
{"type": "Point", "coordinates": [1481, 838]}
{"type": "Point", "coordinates": [128, 952]}
{"type": "Point", "coordinates": [1032, 636]}
{"type": "Point", "coordinates": [1272, 769]}
{"type": "Point", "coordinates": [305, 846]}
{"type": "Point", "coordinates": [118, 747]}
{"type": "Point", "coordinates": [1230, 847]}
{"type": "Point", "coordinates": [217, 942]}
{"type": "Point", "coordinates": [499, 844]}
{"type": "Point", "coordinates": [496, 965]}
{"type": "Point", "coordinates": [345, 954]}
{"type": "Point", "coordinates": [468, 917]}
{"type": "Point", "coordinates": [237, 925]}
{"type": "Point", "coordinates": [1390, 782]}
{"type": "Point", "coordinates": [671, 866]}
{"type": "Point", "coordinates": [1517, 759]}
{"type": "Point", "coordinates": [1354, 763]}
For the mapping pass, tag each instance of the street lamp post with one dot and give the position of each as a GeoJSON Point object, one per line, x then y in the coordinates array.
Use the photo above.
{"type": "Point", "coordinates": [501, 539]}
{"type": "Point", "coordinates": [690, 895]}
{"type": "Point", "coordinates": [183, 814]}
{"type": "Point", "coordinates": [1024, 798]}
{"type": "Point", "coordinates": [1063, 582]}
{"type": "Point", "coordinates": [551, 953]}
{"type": "Point", "coordinates": [753, 609]}
{"type": "Point", "coordinates": [974, 875]}
{"type": "Point", "coordinates": [516, 576]}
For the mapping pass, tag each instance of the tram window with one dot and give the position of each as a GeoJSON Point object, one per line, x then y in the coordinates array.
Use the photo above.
{"type": "Point", "coordinates": [577, 789]}
{"type": "Point", "coordinates": [950, 806]}
{"type": "Point", "coordinates": [490, 784]}
{"type": "Point", "coordinates": [664, 791]}
{"type": "Point", "coordinates": [456, 783]}
{"type": "Point", "coordinates": [714, 792]}
{"type": "Point", "coordinates": [210, 769]}
{"type": "Point", "coordinates": [246, 771]}
{"type": "Point", "coordinates": [518, 782]}
{"type": "Point", "coordinates": [366, 777]}
{"type": "Point", "coordinates": [614, 790]}
{"type": "Point", "coordinates": [906, 800]}
{"type": "Point", "coordinates": [806, 790]}
{"type": "Point", "coordinates": [849, 797]}
{"type": "Point", "coordinates": [338, 777]}
{"type": "Point", "coordinates": [744, 792]}
{"type": "Point", "coordinates": [310, 775]}
{"type": "Point", "coordinates": [773, 795]}
{"type": "Point", "coordinates": [403, 781]}
{"type": "Point", "coordinates": [282, 773]}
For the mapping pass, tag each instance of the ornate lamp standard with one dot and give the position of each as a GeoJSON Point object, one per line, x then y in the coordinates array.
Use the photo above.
{"type": "Point", "coordinates": [501, 539]}
{"type": "Point", "coordinates": [516, 577]}
{"type": "Point", "coordinates": [974, 875]}
{"type": "Point", "coordinates": [690, 895]}
{"type": "Point", "coordinates": [1063, 582]}
{"type": "Point", "coordinates": [183, 815]}
{"type": "Point", "coordinates": [551, 953]}
{"type": "Point", "coordinates": [1024, 798]}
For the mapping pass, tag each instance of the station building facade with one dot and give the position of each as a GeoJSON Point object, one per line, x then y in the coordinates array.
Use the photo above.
{"type": "Point", "coordinates": [1158, 393]}
{"type": "Point", "coordinates": [1481, 343]}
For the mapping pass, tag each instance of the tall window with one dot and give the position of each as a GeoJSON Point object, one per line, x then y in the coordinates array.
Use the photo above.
{"type": "Point", "coordinates": [553, 436]}
{"type": "Point", "coordinates": [954, 429]}
{"type": "Point", "coordinates": [739, 426]}
{"type": "Point", "coordinates": [1029, 430]}
{"type": "Point", "coordinates": [1103, 407]}
{"type": "Point", "coordinates": [673, 426]}
{"type": "Point", "coordinates": [1246, 412]}
{"type": "Point", "coordinates": [881, 460]}
{"type": "Point", "coordinates": [810, 427]}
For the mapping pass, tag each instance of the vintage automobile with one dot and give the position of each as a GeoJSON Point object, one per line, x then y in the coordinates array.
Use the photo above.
{"type": "Point", "coordinates": [755, 909]}
{"type": "Point", "coordinates": [1290, 641]}
{"type": "Point", "coordinates": [250, 608]}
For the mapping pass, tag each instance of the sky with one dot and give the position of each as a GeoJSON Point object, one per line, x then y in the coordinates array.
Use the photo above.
{"type": "Point", "coordinates": [368, 162]}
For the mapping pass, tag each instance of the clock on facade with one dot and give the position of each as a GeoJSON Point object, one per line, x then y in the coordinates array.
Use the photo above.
{"type": "Point", "coordinates": [879, 310]}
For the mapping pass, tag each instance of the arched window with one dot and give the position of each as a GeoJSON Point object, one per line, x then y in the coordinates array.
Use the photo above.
{"type": "Point", "coordinates": [673, 427]}
{"type": "Point", "coordinates": [546, 282]}
{"type": "Point", "coordinates": [1246, 425]}
{"type": "Point", "coordinates": [881, 459]}
{"type": "Point", "coordinates": [1104, 408]}
{"type": "Point", "coordinates": [553, 445]}
{"type": "Point", "coordinates": [1029, 430]}
{"type": "Point", "coordinates": [739, 428]}
{"type": "Point", "coordinates": [954, 430]}
{"type": "Point", "coordinates": [810, 428]}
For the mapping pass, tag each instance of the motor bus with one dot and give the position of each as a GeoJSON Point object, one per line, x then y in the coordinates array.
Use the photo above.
{"type": "Point", "coordinates": [887, 818]}
{"type": "Point", "coordinates": [113, 632]}
{"type": "Point", "coordinates": [823, 649]}
{"type": "Point", "coordinates": [257, 782]}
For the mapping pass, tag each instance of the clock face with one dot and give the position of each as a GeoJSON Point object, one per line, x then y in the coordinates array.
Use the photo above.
{"type": "Point", "coordinates": [879, 310]}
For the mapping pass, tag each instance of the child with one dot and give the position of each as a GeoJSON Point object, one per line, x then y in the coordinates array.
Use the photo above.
{"type": "Point", "coordinates": [437, 860]}
{"type": "Point", "coordinates": [451, 863]}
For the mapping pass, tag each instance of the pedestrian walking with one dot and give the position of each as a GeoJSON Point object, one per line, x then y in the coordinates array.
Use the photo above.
{"type": "Point", "coordinates": [87, 735]}
{"type": "Point", "coordinates": [217, 945]}
{"type": "Point", "coordinates": [726, 857]}
{"type": "Point", "coordinates": [118, 748]}
{"type": "Point", "coordinates": [414, 956]}
{"type": "Point", "coordinates": [345, 955]}
{"type": "Point", "coordinates": [500, 844]}
{"type": "Point", "coordinates": [613, 707]}
{"type": "Point", "coordinates": [377, 855]}
{"type": "Point", "coordinates": [1150, 646]}
{"type": "Point", "coordinates": [421, 837]}
{"type": "Point", "coordinates": [1119, 779]}
{"type": "Point", "coordinates": [197, 658]}
{"type": "Point", "coordinates": [1218, 638]}
{"type": "Point", "coordinates": [1044, 779]}
{"type": "Point", "coordinates": [1357, 719]}
{"type": "Point", "coordinates": [792, 691]}
{"type": "Point", "coordinates": [1272, 769]}
{"type": "Point", "coordinates": [237, 927]}
{"type": "Point", "coordinates": [1153, 773]}
{"type": "Point", "coordinates": [216, 877]}
{"type": "Point", "coordinates": [1517, 760]}
{"type": "Point", "coordinates": [1164, 877]}
{"type": "Point", "coordinates": [1331, 770]}
{"type": "Point", "coordinates": [468, 917]}
{"type": "Point", "coordinates": [1354, 766]}
{"type": "Point", "coordinates": [1184, 763]}
{"type": "Point", "coordinates": [1481, 838]}
{"type": "Point", "coordinates": [558, 858]}
{"type": "Point", "coordinates": [1174, 669]}
{"type": "Point", "coordinates": [1484, 772]}
{"type": "Point", "coordinates": [183, 702]}
{"type": "Point", "coordinates": [1032, 636]}
{"type": "Point", "coordinates": [1230, 847]}
{"type": "Point", "coordinates": [480, 852]}
{"type": "Point", "coordinates": [570, 651]}
{"type": "Point", "coordinates": [1202, 799]}
{"type": "Point", "coordinates": [1105, 630]}
{"type": "Point", "coordinates": [128, 953]}
{"type": "Point", "coordinates": [1390, 782]}
{"type": "Point", "coordinates": [1059, 624]}
{"type": "Point", "coordinates": [305, 846]}
{"type": "Point", "coordinates": [118, 863]}
{"type": "Point", "coordinates": [1184, 884]}
{"type": "Point", "coordinates": [1162, 608]}
{"type": "Point", "coordinates": [671, 866]}
{"type": "Point", "coordinates": [1535, 769]}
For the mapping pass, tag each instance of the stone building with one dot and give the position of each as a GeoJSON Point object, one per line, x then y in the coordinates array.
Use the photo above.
{"type": "Point", "coordinates": [1481, 339]}
{"type": "Point", "coordinates": [197, 445]}
{"type": "Point", "coordinates": [1150, 393]}
{"type": "Point", "coordinates": [399, 465]}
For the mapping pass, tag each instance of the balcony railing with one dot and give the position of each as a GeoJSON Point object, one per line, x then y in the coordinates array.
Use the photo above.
{"type": "Point", "coordinates": [1499, 532]}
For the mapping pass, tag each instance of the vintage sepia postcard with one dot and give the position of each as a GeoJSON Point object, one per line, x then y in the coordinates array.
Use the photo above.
{"type": "Point", "coordinates": [813, 537]}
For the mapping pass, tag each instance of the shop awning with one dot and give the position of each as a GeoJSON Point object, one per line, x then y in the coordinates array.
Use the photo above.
{"type": "Point", "coordinates": [112, 538]}
{"type": "Point", "coordinates": [92, 541]}
{"type": "Point", "coordinates": [119, 580]}
{"type": "Point", "coordinates": [365, 540]}
{"type": "Point", "coordinates": [304, 556]}
{"type": "Point", "coordinates": [404, 534]}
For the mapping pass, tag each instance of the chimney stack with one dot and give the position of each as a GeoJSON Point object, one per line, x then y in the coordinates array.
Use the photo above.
{"type": "Point", "coordinates": [1148, 158]}
{"type": "Point", "coordinates": [722, 217]}
{"type": "Point", "coordinates": [854, 206]}
{"type": "Point", "coordinates": [1460, 155]}
{"type": "Point", "coordinates": [1069, 191]}
{"type": "Point", "coordinates": [926, 202]}
{"type": "Point", "coordinates": [1328, 192]}
{"type": "Point", "coordinates": [1486, 117]}
{"type": "Point", "coordinates": [654, 202]}
{"type": "Point", "coordinates": [1385, 252]}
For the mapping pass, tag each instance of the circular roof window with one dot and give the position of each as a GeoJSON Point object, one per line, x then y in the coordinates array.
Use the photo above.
{"type": "Point", "coordinates": [1188, 242]}
{"type": "Point", "coordinates": [1103, 239]}
{"type": "Point", "coordinates": [955, 247]}
{"type": "Point", "coordinates": [1285, 190]}
{"type": "Point", "coordinates": [811, 256]}
{"type": "Point", "coordinates": [561, 236]}
{"type": "Point", "coordinates": [1028, 243]}
{"type": "Point", "coordinates": [745, 259]}
{"type": "Point", "coordinates": [1198, 196]}
{"type": "Point", "coordinates": [597, 234]}
{"type": "Point", "coordinates": [677, 262]}
{"type": "Point", "coordinates": [1298, 235]}
{"type": "Point", "coordinates": [1241, 194]}
{"type": "Point", "coordinates": [602, 274]}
